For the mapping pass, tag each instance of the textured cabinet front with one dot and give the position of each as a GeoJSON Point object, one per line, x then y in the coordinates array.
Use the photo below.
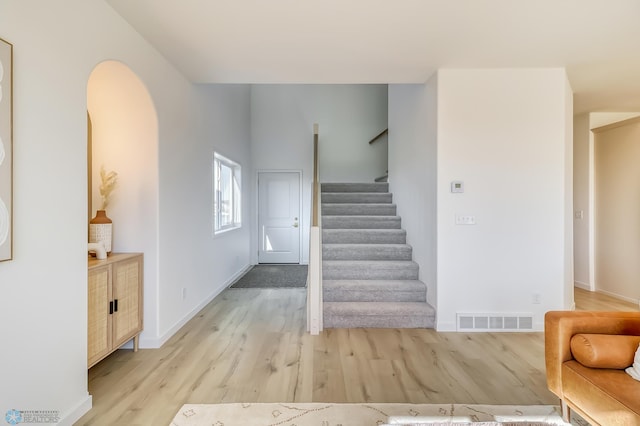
{"type": "Point", "coordinates": [99, 336]}
{"type": "Point", "coordinates": [127, 284]}
{"type": "Point", "coordinates": [114, 304]}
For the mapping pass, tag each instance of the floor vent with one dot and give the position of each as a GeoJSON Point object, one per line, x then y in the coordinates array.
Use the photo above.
{"type": "Point", "coordinates": [495, 322]}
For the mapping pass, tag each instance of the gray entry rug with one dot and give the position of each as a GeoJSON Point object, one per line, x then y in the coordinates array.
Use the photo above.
{"type": "Point", "coordinates": [273, 276]}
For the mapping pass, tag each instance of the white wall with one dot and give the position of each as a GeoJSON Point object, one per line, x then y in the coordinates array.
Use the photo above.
{"type": "Point", "coordinates": [617, 225]}
{"type": "Point", "coordinates": [581, 200]}
{"type": "Point", "coordinates": [56, 47]}
{"type": "Point", "coordinates": [584, 196]}
{"type": "Point", "coordinates": [282, 118]}
{"type": "Point", "coordinates": [190, 257]}
{"type": "Point", "coordinates": [412, 171]}
{"type": "Point", "coordinates": [504, 133]}
{"type": "Point", "coordinates": [569, 292]}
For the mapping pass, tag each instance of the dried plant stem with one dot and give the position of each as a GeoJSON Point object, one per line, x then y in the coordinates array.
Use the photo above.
{"type": "Point", "coordinates": [107, 185]}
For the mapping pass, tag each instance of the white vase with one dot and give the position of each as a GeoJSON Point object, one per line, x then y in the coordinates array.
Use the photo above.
{"type": "Point", "coordinates": [101, 230]}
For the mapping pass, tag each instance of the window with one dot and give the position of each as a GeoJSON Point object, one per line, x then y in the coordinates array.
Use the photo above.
{"type": "Point", "coordinates": [226, 194]}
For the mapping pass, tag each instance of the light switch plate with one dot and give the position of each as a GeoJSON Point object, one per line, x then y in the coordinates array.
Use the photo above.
{"type": "Point", "coordinates": [465, 220]}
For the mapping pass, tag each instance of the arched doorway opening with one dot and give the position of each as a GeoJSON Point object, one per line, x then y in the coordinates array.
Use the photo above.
{"type": "Point", "coordinates": [123, 138]}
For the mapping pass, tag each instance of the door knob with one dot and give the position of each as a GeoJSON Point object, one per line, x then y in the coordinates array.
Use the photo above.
{"type": "Point", "coordinates": [295, 225]}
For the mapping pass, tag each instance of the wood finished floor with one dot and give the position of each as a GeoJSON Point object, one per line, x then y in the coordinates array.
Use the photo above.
{"type": "Point", "coordinates": [250, 345]}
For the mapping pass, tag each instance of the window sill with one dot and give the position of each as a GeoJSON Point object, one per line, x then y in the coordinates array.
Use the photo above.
{"type": "Point", "coordinates": [221, 232]}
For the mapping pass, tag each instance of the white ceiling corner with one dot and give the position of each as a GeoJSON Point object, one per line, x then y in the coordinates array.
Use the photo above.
{"type": "Point", "coordinates": [400, 41]}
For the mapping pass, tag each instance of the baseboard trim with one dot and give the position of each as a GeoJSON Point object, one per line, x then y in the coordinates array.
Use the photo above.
{"type": "Point", "coordinates": [157, 342]}
{"type": "Point", "coordinates": [444, 326]}
{"type": "Point", "coordinates": [582, 285]}
{"type": "Point", "coordinates": [618, 296]}
{"type": "Point", "coordinates": [68, 419]}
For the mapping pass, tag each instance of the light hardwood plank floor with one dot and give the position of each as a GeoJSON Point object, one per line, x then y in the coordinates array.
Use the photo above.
{"type": "Point", "coordinates": [251, 345]}
{"type": "Point", "coordinates": [593, 301]}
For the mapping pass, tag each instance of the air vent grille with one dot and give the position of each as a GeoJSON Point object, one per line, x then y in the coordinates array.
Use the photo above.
{"type": "Point", "coordinates": [495, 322]}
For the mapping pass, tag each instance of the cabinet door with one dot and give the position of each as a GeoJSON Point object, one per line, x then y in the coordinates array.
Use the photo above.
{"type": "Point", "coordinates": [127, 295]}
{"type": "Point", "coordinates": [99, 321]}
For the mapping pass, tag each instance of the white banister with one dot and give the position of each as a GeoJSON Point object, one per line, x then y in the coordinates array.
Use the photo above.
{"type": "Point", "coordinates": [314, 279]}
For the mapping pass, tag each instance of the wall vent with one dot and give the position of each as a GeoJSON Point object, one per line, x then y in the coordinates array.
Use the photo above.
{"type": "Point", "coordinates": [495, 322]}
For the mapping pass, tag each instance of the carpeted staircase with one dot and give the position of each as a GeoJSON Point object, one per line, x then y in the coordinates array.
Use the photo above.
{"type": "Point", "coordinates": [369, 277]}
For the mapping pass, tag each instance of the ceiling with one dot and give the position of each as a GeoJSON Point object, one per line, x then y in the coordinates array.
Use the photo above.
{"type": "Point", "coordinates": [398, 41]}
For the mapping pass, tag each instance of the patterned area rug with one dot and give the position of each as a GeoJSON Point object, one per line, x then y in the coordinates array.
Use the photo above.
{"type": "Point", "coordinates": [273, 276]}
{"type": "Point", "coordinates": [328, 414]}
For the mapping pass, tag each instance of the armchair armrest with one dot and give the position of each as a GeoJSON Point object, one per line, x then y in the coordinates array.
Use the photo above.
{"type": "Point", "coordinates": [560, 326]}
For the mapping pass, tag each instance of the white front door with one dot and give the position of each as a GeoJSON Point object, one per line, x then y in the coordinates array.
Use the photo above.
{"type": "Point", "coordinates": [279, 217]}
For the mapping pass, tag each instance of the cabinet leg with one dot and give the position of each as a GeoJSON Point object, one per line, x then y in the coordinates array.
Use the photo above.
{"type": "Point", "coordinates": [566, 411]}
{"type": "Point", "coordinates": [136, 338]}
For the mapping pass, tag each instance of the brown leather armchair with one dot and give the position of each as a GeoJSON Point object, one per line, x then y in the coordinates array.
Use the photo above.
{"type": "Point", "coordinates": [602, 396]}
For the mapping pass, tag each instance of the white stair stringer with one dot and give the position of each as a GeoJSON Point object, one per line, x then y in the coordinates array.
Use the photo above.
{"type": "Point", "coordinates": [369, 277]}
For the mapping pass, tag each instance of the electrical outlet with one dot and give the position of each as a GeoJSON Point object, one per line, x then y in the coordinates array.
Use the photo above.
{"type": "Point", "coordinates": [535, 298]}
{"type": "Point", "coordinates": [184, 293]}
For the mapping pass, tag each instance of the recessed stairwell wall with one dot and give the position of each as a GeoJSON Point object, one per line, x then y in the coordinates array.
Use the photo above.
{"type": "Point", "coordinates": [412, 171]}
{"type": "Point", "coordinates": [349, 115]}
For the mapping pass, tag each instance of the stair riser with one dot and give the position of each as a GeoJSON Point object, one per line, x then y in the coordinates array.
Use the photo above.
{"type": "Point", "coordinates": [364, 222]}
{"type": "Point", "coordinates": [338, 252]}
{"type": "Point", "coordinates": [373, 296]}
{"type": "Point", "coordinates": [355, 187]}
{"type": "Point", "coordinates": [359, 209]}
{"type": "Point", "coordinates": [356, 198]}
{"type": "Point", "coordinates": [331, 321]}
{"type": "Point", "coordinates": [335, 273]}
{"type": "Point", "coordinates": [357, 236]}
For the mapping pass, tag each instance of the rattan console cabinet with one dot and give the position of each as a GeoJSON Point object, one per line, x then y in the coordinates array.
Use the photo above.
{"type": "Point", "coordinates": [115, 304]}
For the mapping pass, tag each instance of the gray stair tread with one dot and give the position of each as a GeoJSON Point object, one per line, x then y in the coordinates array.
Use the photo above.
{"type": "Point", "coordinates": [372, 264]}
{"type": "Point", "coordinates": [367, 231]}
{"type": "Point", "coordinates": [360, 285]}
{"type": "Point", "coordinates": [378, 308]}
{"type": "Point", "coordinates": [422, 317]}
{"type": "Point", "coordinates": [364, 209]}
{"type": "Point", "coordinates": [379, 294]}
{"type": "Point", "coordinates": [352, 195]}
{"type": "Point", "coordinates": [360, 217]}
{"type": "Point", "coordinates": [370, 270]}
{"type": "Point", "coordinates": [355, 187]}
{"type": "Point", "coordinates": [356, 246]}
{"type": "Point", "coordinates": [357, 197]}
{"type": "Point", "coordinates": [374, 291]}
{"type": "Point", "coordinates": [363, 236]}
{"type": "Point", "coordinates": [367, 251]}
{"type": "Point", "coordinates": [360, 222]}
{"type": "Point", "coordinates": [358, 205]}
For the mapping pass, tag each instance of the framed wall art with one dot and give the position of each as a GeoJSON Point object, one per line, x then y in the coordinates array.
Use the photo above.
{"type": "Point", "coordinates": [6, 150]}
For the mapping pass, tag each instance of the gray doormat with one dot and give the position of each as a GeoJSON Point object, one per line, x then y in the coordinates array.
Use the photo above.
{"type": "Point", "coordinates": [273, 276]}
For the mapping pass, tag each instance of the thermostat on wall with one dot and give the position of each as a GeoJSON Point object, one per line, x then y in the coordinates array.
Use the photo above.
{"type": "Point", "coordinates": [457, 186]}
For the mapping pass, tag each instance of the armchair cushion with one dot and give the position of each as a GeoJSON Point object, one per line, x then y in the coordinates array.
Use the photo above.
{"type": "Point", "coordinates": [604, 350]}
